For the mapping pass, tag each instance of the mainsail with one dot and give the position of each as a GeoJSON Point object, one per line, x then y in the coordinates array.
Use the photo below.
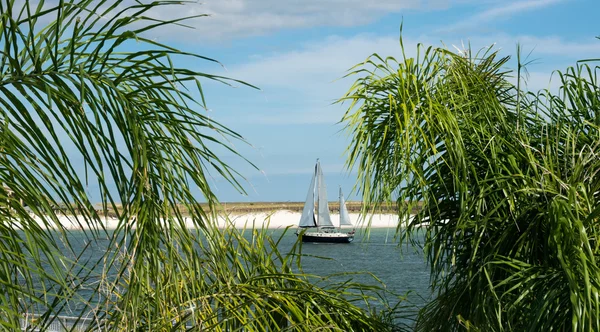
{"type": "Point", "coordinates": [316, 214]}
{"type": "Point", "coordinates": [316, 192]}
{"type": "Point", "coordinates": [344, 216]}
{"type": "Point", "coordinates": [308, 213]}
{"type": "Point", "coordinates": [324, 219]}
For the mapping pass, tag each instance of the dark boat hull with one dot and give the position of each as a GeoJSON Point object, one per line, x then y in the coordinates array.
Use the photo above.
{"type": "Point", "coordinates": [327, 238]}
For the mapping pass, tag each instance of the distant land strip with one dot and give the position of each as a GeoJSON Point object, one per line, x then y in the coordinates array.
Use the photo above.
{"type": "Point", "coordinates": [239, 208]}
{"type": "Point", "coordinates": [266, 207]}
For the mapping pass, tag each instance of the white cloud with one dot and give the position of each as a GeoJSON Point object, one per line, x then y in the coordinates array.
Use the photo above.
{"type": "Point", "coordinates": [535, 81]}
{"type": "Point", "coordinates": [310, 67]}
{"type": "Point", "coordinates": [553, 45]}
{"type": "Point", "coordinates": [549, 50]}
{"type": "Point", "coordinates": [501, 11]}
{"type": "Point", "coordinates": [299, 86]}
{"type": "Point", "coordinates": [239, 18]}
{"type": "Point", "coordinates": [321, 62]}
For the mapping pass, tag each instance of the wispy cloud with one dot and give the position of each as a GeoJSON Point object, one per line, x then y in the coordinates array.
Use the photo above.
{"type": "Point", "coordinates": [229, 19]}
{"type": "Point", "coordinates": [554, 45]}
{"type": "Point", "coordinates": [541, 47]}
{"type": "Point", "coordinates": [498, 12]}
{"type": "Point", "coordinates": [299, 86]}
{"type": "Point", "coordinates": [318, 65]}
{"type": "Point", "coordinates": [321, 61]}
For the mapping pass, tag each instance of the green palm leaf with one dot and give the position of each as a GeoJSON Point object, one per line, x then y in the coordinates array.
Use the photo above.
{"type": "Point", "coordinates": [506, 182]}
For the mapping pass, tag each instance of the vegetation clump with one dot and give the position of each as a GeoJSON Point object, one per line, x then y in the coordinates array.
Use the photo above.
{"type": "Point", "coordinates": [509, 181]}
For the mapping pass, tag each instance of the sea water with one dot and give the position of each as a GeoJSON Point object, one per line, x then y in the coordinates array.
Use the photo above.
{"type": "Point", "coordinates": [400, 268]}
{"type": "Point", "coordinates": [374, 258]}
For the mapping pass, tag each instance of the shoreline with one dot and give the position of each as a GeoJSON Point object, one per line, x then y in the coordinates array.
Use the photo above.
{"type": "Point", "coordinates": [286, 218]}
{"type": "Point", "coordinates": [273, 220]}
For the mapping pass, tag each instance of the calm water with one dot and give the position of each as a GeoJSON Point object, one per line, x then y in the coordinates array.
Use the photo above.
{"type": "Point", "coordinates": [401, 269]}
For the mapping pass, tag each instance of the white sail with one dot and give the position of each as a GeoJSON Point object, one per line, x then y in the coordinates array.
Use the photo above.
{"type": "Point", "coordinates": [317, 200]}
{"type": "Point", "coordinates": [308, 213]}
{"type": "Point", "coordinates": [324, 220]}
{"type": "Point", "coordinates": [344, 216]}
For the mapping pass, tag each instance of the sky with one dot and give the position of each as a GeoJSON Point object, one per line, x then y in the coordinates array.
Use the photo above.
{"type": "Point", "coordinates": [298, 51]}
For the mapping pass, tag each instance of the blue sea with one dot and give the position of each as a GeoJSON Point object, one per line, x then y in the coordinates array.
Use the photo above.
{"type": "Point", "coordinates": [401, 269]}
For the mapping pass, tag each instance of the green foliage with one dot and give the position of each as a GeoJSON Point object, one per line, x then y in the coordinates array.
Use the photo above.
{"type": "Point", "coordinates": [509, 183]}
{"type": "Point", "coordinates": [88, 102]}
{"type": "Point", "coordinates": [233, 282]}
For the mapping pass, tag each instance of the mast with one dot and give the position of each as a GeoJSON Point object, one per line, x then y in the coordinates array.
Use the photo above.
{"type": "Point", "coordinates": [341, 206]}
{"type": "Point", "coordinates": [317, 170]}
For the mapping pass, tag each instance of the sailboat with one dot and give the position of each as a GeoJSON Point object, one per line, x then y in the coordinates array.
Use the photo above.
{"type": "Point", "coordinates": [316, 214]}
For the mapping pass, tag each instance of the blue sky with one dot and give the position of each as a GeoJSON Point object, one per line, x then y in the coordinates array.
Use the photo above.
{"type": "Point", "coordinates": [297, 51]}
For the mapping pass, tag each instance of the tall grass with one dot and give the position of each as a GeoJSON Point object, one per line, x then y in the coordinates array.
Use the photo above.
{"type": "Point", "coordinates": [509, 181]}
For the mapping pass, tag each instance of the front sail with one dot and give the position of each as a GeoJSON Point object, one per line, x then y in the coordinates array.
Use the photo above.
{"type": "Point", "coordinates": [344, 216]}
{"type": "Point", "coordinates": [308, 213]}
{"type": "Point", "coordinates": [324, 219]}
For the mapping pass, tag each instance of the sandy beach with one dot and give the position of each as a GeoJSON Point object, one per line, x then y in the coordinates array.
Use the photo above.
{"type": "Point", "coordinates": [275, 220]}
{"type": "Point", "coordinates": [282, 219]}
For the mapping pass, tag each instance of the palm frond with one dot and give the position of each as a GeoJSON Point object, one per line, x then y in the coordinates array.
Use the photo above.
{"type": "Point", "coordinates": [507, 183]}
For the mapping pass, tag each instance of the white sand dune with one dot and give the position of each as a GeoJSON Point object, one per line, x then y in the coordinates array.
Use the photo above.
{"type": "Point", "coordinates": [284, 218]}
{"type": "Point", "coordinates": [278, 219]}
